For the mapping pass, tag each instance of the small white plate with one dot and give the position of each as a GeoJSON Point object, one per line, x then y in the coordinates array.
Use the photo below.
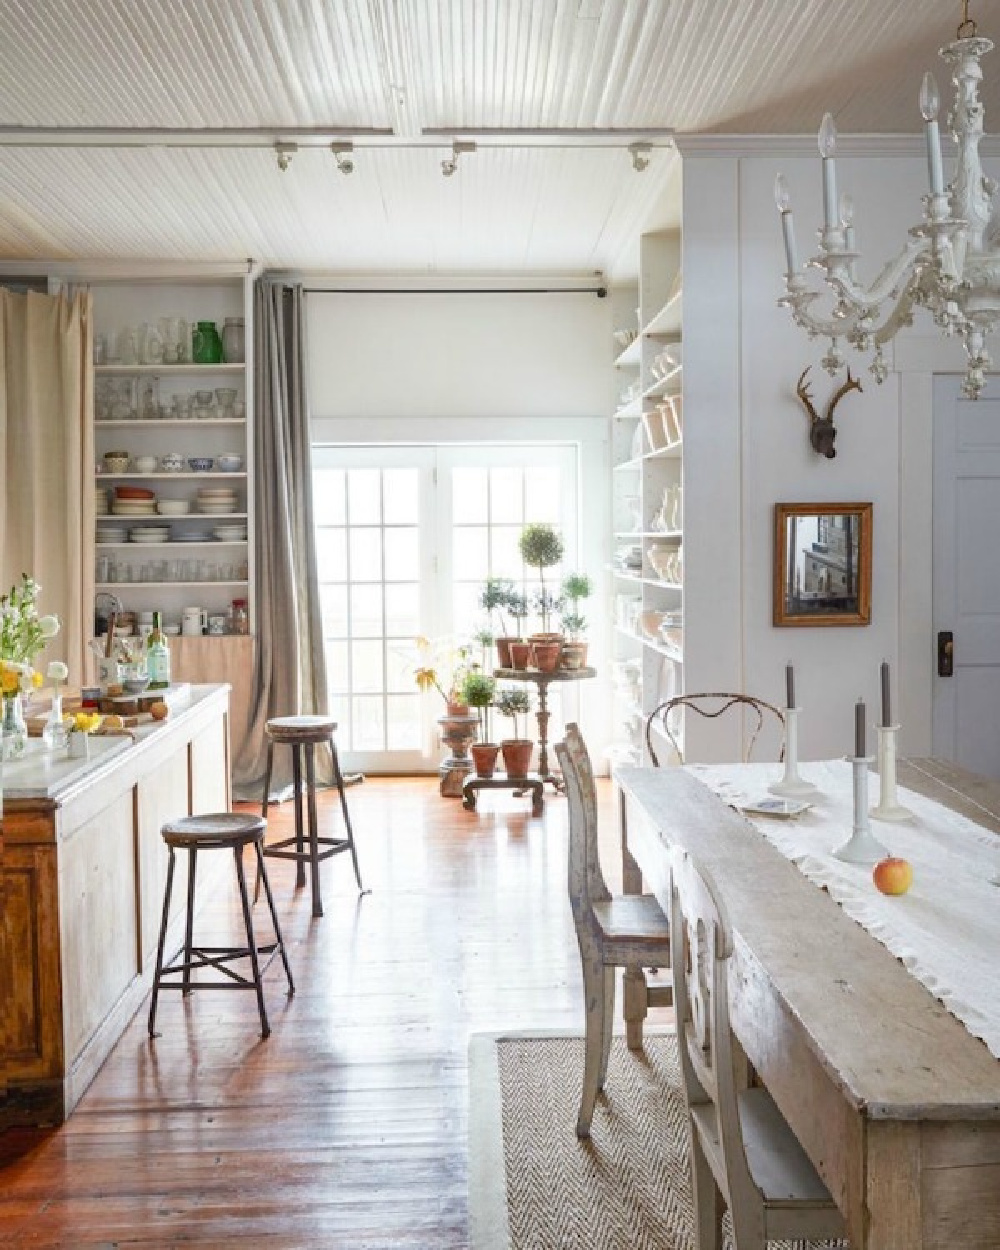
{"type": "Point", "coordinates": [782, 808]}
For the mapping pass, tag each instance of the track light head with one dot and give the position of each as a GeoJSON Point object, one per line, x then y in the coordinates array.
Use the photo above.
{"type": "Point", "coordinates": [640, 153]}
{"type": "Point", "coordinates": [450, 164]}
{"type": "Point", "coordinates": [284, 152]}
{"type": "Point", "coordinates": [343, 154]}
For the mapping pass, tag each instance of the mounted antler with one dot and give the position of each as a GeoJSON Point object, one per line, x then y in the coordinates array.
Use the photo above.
{"type": "Point", "coordinates": [821, 430]}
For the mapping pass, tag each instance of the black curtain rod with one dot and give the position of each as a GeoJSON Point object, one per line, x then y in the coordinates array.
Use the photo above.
{"type": "Point", "coordinates": [600, 291]}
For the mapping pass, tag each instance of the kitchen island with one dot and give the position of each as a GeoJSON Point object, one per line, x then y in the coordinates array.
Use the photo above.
{"type": "Point", "coordinates": [81, 892]}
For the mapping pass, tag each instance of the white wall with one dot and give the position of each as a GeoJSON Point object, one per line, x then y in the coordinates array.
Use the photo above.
{"type": "Point", "coordinates": [746, 447]}
{"type": "Point", "coordinates": [463, 367]}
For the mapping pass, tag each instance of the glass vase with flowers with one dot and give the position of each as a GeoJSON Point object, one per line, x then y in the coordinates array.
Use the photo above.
{"type": "Point", "coordinates": [23, 634]}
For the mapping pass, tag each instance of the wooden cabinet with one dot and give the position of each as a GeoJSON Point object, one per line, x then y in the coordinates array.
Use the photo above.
{"type": "Point", "coordinates": [81, 885]}
{"type": "Point", "coordinates": [647, 498]}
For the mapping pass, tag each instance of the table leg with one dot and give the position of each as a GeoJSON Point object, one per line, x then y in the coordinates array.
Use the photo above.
{"type": "Point", "coordinates": [542, 716]}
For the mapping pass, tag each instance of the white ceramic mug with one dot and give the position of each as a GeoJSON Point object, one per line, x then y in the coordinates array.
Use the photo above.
{"type": "Point", "coordinates": [193, 621]}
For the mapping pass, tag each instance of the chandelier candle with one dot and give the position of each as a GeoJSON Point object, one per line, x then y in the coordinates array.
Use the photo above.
{"type": "Point", "coordinates": [930, 102]}
{"type": "Point", "coordinates": [828, 150]}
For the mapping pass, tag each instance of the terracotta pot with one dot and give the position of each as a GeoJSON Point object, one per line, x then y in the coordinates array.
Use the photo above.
{"type": "Point", "coordinates": [520, 654]}
{"type": "Point", "coordinates": [547, 656]}
{"type": "Point", "coordinates": [503, 652]}
{"type": "Point", "coordinates": [457, 709]}
{"type": "Point", "coordinates": [574, 655]}
{"type": "Point", "coordinates": [484, 756]}
{"type": "Point", "coordinates": [517, 756]}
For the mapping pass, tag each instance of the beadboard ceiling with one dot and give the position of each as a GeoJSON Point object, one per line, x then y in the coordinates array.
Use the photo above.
{"type": "Point", "coordinates": [405, 77]}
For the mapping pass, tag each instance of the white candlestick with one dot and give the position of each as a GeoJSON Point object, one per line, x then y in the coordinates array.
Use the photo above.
{"type": "Point", "coordinates": [888, 808]}
{"type": "Point", "coordinates": [935, 170]}
{"type": "Point", "coordinates": [788, 233]}
{"type": "Point", "coordinates": [861, 847]}
{"type": "Point", "coordinates": [830, 217]}
{"type": "Point", "coordinates": [792, 785]}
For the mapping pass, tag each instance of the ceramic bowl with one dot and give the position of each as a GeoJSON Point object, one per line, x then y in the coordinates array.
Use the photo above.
{"type": "Point", "coordinates": [173, 507]}
{"type": "Point", "coordinates": [116, 461]}
{"type": "Point", "coordinates": [229, 462]}
{"type": "Point", "coordinates": [649, 622]}
{"type": "Point", "coordinates": [145, 464]}
{"type": "Point", "coordinates": [172, 462]}
{"type": "Point", "coordinates": [135, 685]}
{"type": "Point", "coordinates": [200, 464]}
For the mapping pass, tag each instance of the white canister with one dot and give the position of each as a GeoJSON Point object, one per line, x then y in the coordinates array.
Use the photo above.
{"type": "Point", "coordinates": [194, 622]}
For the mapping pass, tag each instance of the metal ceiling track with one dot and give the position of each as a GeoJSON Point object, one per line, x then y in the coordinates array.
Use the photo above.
{"type": "Point", "coordinates": [316, 137]}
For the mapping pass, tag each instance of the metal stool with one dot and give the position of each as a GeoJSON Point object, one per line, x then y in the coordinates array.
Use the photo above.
{"type": "Point", "coordinates": [303, 734]}
{"type": "Point", "coordinates": [225, 831]}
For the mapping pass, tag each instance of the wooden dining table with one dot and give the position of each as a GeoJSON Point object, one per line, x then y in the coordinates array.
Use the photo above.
{"type": "Point", "coordinates": [896, 1103]}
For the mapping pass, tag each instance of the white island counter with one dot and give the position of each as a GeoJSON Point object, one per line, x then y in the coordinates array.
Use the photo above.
{"type": "Point", "coordinates": [81, 890]}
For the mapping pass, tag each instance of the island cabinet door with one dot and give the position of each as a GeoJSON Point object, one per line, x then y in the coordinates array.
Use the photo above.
{"type": "Point", "coordinates": [161, 795]}
{"type": "Point", "coordinates": [210, 775]}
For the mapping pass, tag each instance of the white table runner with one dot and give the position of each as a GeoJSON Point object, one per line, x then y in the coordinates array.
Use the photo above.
{"type": "Point", "coordinates": [946, 929]}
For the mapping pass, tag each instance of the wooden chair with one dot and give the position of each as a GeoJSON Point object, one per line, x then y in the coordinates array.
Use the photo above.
{"type": "Point", "coordinates": [628, 932]}
{"type": "Point", "coordinates": [743, 1154]}
{"type": "Point", "coordinates": [711, 706]}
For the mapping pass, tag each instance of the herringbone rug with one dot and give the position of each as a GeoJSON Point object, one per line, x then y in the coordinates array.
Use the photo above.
{"type": "Point", "coordinates": [534, 1186]}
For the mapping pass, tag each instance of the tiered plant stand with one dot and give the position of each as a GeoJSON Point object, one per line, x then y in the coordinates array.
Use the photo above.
{"type": "Point", "coordinates": [543, 681]}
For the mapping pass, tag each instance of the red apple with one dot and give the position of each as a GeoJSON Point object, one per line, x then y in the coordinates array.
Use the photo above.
{"type": "Point", "coordinates": [893, 876]}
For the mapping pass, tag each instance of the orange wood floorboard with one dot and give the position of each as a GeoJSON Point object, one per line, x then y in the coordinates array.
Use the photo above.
{"type": "Point", "coordinates": [346, 1129]}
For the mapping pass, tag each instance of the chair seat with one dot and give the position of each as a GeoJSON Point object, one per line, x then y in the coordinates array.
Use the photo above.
{"type": "Point", "coordinates": [214, 829]}
{"type": "Point", "coordinates": [304, 729]}
{"type": "Point", "coordinates": [780, 1168]}
{"type": "Point", "coordinates": [632, 918]}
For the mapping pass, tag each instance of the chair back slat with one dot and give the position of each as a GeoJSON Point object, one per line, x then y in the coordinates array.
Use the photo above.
{"type": "Point", "coordinates": [711, 705]}
{"type": "Point", "coordinates": [586, 880]}
{"type": "Point", "coordinates": [702, 942]}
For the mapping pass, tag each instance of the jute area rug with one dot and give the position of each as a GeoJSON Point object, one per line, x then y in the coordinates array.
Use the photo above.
{"type": "Point", "coordinates": [533, 1185]}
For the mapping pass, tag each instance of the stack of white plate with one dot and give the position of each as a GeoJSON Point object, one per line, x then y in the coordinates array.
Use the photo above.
{"type": "Point", "coordinates": [217, 499]}
{"type": "Point", "coordinates": [110, 534]}
{"type": "Point", "coordinates": [150, 534]}
{"type": "Point", "coordinates": [134, 507]}
{"type": "Point", "coordinates": [173, 507]}
{"type": "Point", "coordinates": [101, 500]}
{"type": "Point", "coordinates": [230, 533]}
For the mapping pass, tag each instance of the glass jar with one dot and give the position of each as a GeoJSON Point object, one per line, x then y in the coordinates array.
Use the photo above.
{"type": "Point", "coordinates": [240, 617]}
{"type": "Point", "coordinates": [234, 341]}
{"type": "Point", "coordinates": [206, 346]}
{"type": "Point", "coordinates": [14, 728]}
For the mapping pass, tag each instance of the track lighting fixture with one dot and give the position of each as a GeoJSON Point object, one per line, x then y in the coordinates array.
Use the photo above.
{"type": "Point", "coordinates": [639, 153]}
{"type": "Point", "coordinates": [343, 154]}
{"type": "Point", "coordinates": [284, 153]}
{"type": "Point", "coordinates": [450, 164]}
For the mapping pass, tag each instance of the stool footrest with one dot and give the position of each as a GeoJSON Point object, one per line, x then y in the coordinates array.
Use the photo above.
{"type": "Point", "coordinates": [217, 957]}
{"type": "Point", "coordinates": [276, 850]}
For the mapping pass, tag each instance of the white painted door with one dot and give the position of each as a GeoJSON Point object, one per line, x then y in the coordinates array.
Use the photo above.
{"type": "Point", "coordinates": [966, 588]}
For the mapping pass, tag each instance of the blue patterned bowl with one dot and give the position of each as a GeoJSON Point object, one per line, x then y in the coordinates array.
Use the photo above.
{"type": "Point", "coordinates": [200, 464]}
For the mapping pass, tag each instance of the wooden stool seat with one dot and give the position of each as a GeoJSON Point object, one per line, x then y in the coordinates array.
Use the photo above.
{"type": "Point", "coordinates": [212, 832]}
{"type": "Point", "coordinates": [303, 734]}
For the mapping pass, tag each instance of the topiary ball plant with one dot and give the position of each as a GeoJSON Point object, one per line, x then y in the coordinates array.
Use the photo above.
{"type": "Point", "coordinates": [541, 547]}
{"type": "Point", "coordinates": [478, 689]}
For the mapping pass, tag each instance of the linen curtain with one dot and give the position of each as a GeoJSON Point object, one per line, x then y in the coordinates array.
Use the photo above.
{"type": "Point", "coordinates": [289, 663]}
{"type": "Point", "coordinates": [47, 454]}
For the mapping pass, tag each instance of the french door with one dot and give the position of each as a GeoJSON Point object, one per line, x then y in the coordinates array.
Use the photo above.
{"type": "Point", "coordinates": [406, 536]}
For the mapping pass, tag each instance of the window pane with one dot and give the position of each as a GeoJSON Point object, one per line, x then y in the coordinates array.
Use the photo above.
{"type": "Point", "coordinates": [368, 729]}
{"type": "Point", "coordinates": [469, 497]}
{"type": "Point", "coordinates": [470, 550]}
{"type": "Point", "coordinates": [401, 555]}
{"type": "Point", "coordinates": [467, 614]}
{"type": "Point", "coordinates": [401, 662]}
{"type": "Point", "coordinates": [338, 706]}
{"type": "Point", "coordinates": [331, 554]}
{"type": "Point", "coordinates": [366, 555]}
{"type": "Point", "coordinates": [366, 611]}
{"type": "Point", "coordinates": [329, 506]}
{"type": "Point", "coordinates": [363, 496]}
{"type": "Point", "coordinates": [400, 495]}
{"type": "Point", "coordinates": [506, 557]}
{"type": "Point", "coordinates": [366, 667]}
{"type": "Point", "coordinates": [336, 667]}
{"type": "Point", "coordinates": [333, 606]}
{"type": "Point", "coordinates": [543, 498]}
{"type": "Point", "coordinates": [506, 495]}
{"type": "Point", "coordinates": [404, 731]}
{"type": "Point", "coordinates": [402, 611]}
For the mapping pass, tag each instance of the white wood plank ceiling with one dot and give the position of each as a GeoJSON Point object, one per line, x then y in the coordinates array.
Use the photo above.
{"type": "Point", "coordinates": [402, 78]}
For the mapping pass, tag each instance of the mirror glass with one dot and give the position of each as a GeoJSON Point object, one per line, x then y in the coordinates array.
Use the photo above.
{"type": "Point", "coordinates": [822, 564]}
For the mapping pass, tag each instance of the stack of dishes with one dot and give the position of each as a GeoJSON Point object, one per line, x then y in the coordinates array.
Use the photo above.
{"type": "Point", "coordinates": [217, 499]}
{"type": "Point", "coordinates": [134, 501]}
{"type": "Point", "coordinates": [195, 536]}
{"type": "Point", "coordinates": [150, 534]}
{"type": "Point", "coordinates": [101, 500]}
{"type": "Point", "coordinates": [173, 507]}
{"type": "Point", "coordinates": [230, 533]}
{"type": "Point", "coordinates": [110, 534]}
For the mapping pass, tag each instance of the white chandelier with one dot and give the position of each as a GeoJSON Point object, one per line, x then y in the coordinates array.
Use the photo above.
{"type": "Point", "coordinates": [950, 264]}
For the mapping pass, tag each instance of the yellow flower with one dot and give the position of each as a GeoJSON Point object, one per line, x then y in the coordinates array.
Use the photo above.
{"type": "Point", "coordinates": [86, 722]}
{"type": "Point", "coordinates": [36, 678]}
{"type": "Point", "coordinates": [10, 680]}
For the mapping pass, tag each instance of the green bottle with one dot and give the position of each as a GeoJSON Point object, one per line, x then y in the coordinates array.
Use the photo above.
{"type": "Point", "coordinates": [158, 655]}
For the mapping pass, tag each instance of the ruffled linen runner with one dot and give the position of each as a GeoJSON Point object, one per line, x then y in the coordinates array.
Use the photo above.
{"type": "Point", "coordinates": [945, 929]}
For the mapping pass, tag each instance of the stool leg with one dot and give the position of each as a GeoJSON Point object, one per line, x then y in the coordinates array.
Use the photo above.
{"type": "Point", "coordinates": [265, 1028]}
{"type": "Point", "coordinates": [347, 818]}
{"type": "Point", "coordinates": [313, 827]}
{"type": "Point", "coordinates": [189, 919]}
{"type": "Point", "coordinates": [300, 868]}
{"type": "Point", "coordinates": [262, 875]}
{"type": "Point", "coordinates": [263, 811]}
{"type": "Point", "coordinates": [159, 949]}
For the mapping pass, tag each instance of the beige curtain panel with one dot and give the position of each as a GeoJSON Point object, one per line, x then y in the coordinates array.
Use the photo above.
{"type": "Point", "coordinates": [47, 453]}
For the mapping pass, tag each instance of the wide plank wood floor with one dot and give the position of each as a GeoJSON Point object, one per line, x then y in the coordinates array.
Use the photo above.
{"type": "Point", "coordinates": [347, 1127]}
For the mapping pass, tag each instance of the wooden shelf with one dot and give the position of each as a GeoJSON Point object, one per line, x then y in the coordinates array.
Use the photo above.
{"type": "Point", "coordinates": [167, 423]}
{"type": "Point", "coordinates": [667, 322]}
{"type": "Point", "coordinates": [171, 370]}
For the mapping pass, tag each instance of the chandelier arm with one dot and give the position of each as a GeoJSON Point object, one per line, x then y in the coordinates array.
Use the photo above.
{"type": "Point", "coordinates": [833, 328]}
{"type": "Point", "coordinates": [886, 281]}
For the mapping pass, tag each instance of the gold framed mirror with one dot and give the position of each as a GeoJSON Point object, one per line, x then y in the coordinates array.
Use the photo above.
{"type": "Point", "coordinates": [822, 563]}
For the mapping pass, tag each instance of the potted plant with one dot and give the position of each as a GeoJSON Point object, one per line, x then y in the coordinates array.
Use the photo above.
{"type": "Point", "coordinates": [478, 691]}
{"type": "Point", "coordinates": [541, 547]}
{"type": "Point", "coordinates": [495, 596]}
{"type": "Point", "coordinates": [574, 649]}
{"type": "Point", "coordinates": [520, 651]}
{"type": "Point", "coordinates": [484, 637]}
{"type": "Point", "coordinates": [515, 701]}
{"type": "Point", "coordinates": [443, 667]}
